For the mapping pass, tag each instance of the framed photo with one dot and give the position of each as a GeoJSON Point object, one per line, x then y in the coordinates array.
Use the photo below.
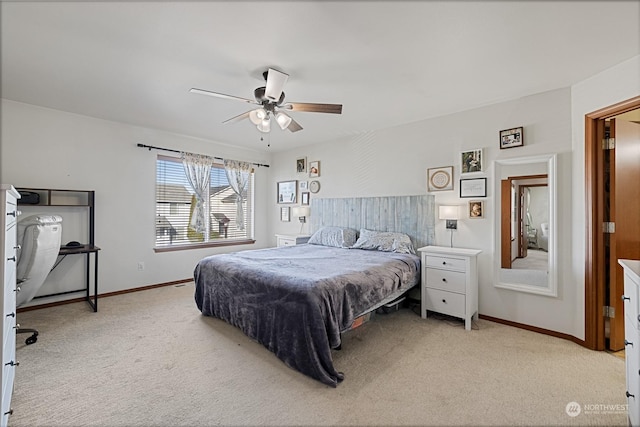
{"type": "Point", "coordinates": [301, 165]}
{"type": "Point", "coordinates": [287, 191]}
{"type": "Point", "coordinates": [314, 169]}
{"type": "Point", "coordinates": [471, 161]}
{"type": "Point", "coordinates": [440, 179]}
{"type": "Point", "coordinates": [474, 187]}
{"type": "Point", "coordinates": [304, 185]}
{"type": "Point", "coordinates": [304, 198]}
{"type": "Point", "coordinates": [476, 209]}
{"type": "Point", "coordinates": [510, 138]}
{"type": "Point", "coordinates": [284, 214]}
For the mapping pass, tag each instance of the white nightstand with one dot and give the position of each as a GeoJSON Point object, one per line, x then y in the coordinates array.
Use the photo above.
{"type": "Point", "coordinates": [450, 282]}
{"type": "Point", "coordinates": [291, 239]}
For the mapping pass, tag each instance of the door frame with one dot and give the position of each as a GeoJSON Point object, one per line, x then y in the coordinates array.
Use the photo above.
{"type": "Point", "coordinates": [594, 289]}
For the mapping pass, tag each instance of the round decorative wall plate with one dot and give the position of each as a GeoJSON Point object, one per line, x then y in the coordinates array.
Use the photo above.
{"type": "Point", "coordinates": [314, 186]}
{"type": "Point", "coordinates": [441, 179]}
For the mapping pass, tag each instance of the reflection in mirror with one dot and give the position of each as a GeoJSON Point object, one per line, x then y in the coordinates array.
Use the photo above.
{"type": "Point", "coordinates": [525, 224]}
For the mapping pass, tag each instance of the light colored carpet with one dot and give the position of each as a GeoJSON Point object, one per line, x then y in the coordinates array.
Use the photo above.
{"type": "Point", "coordinates": [535, 260]}
{"type": "Point", "coordinates": [527, 277]}
{"type": "Point", "coordinates": [151, 359]}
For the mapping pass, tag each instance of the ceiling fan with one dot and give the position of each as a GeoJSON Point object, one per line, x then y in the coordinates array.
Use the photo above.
{"type": "Point", "coordinates": [270, 99]}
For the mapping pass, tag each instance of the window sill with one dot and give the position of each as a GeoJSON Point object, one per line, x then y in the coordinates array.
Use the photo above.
{"type": "Point", "coordinates": [202, 245]}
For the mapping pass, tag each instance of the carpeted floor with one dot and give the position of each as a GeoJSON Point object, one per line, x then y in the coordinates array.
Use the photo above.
{"type": "Point", "coordinates": [535, 260]}
{"type": "Point", "coordinates": [151, 359]}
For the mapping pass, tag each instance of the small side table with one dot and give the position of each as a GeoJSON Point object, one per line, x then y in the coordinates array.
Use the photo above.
{"type": "Point", "coordinates": [450, 282]}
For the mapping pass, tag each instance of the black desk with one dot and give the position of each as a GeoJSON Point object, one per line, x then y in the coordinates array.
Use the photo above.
{"type": "Point", "coordinates": [88, 250]}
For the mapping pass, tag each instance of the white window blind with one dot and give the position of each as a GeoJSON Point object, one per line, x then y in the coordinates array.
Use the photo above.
{"type": "Point", "coordinates": [175, 201]}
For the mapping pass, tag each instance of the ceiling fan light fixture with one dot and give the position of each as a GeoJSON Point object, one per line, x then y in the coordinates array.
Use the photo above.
{"type": "Point", "coordinates": [265, 125]}
{"type": "Point", "coordinates": [255, 117]}
{"type": "Point", "coordinates": [283, 120]}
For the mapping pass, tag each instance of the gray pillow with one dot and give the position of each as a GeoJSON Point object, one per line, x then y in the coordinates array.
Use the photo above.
{"type": "Point", "coordinates": [386, 241]}
{"type": "Point", "coordinates": [339, 237]}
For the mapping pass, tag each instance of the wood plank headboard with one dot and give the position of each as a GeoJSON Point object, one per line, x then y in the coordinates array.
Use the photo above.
{"type": "Point", "coordinates": [413, 215]}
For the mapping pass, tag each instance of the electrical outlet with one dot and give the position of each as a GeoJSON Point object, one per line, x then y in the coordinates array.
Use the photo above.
{"type": "Point", "coordinates": [140, 265]}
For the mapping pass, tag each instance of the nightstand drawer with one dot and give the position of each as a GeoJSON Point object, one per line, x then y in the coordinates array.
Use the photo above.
{"type": "Point", "coordinates": [446, 280]}
{"type": "Point", "coordinates": [283, 241]}
{"type": "Point", "coordinates": [290, 240]}
{"type": "Point", "coordinates": [447, 263]}
{"type": "Point", "coordinates": [445, 302]}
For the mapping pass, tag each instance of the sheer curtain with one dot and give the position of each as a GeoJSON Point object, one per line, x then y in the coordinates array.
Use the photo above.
{"type": "Point", "coordinates": [238, 177]}
{"type": "Point", "coordinates": [197, 169]}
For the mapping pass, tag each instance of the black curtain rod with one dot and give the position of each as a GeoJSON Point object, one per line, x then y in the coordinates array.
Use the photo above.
{"type": "Point", "coordinates": [178, 151]}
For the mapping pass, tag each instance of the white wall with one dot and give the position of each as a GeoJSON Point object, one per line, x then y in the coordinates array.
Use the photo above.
{"type": "Point", "coordinates": [395, 161]}
{"type": "Point", "coordinates": [45, 148]}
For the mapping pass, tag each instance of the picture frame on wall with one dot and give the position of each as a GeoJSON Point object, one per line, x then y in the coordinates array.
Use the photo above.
{"type": "Point", "coordinates": [473, 187]}
{"type": "Point", "coordinates": [471, 161]}
{"type": "Point", "coordinates": [287, 191]}
{"type": "Point", "coordinates": [510, 138]}
{"type": "Point", "coordinates": [314, 169]}
{"type": "Point", "coordinates": [440, 179]}
{"type": "Point", "coordinates": [284, 214]}
{"type": "Point", "coordinates": [304, 198]}
{"type": "Point", "coordinates": [301, 165]}
{"type": "Point", "coordinates": [303, 185]}
{"type": "Point", "coordinates": [476, 209]}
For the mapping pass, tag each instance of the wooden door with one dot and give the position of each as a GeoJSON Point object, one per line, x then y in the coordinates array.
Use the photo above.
{"type": "Point", "coordinates": [505, 223]}
{"type": "Point", "coordinates": [625, 206]}
{"type": "Point", "coordinates": [523, 242]}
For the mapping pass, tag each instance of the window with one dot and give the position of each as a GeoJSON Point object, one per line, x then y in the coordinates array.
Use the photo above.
{"type": "Point", "coordinates": [174, 206]}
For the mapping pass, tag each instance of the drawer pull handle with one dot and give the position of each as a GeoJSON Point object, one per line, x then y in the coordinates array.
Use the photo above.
{"type": "Point", "coordinates": [12, 363]}
{"type": "Point", "coordinates": [444, 300]}
{"type": "Point", "coordinates": [9, 412]}
{"type": "Point", "coordinates": [444, 280]}
{"type": "Point", "coordinates": [18, 288]}
{"type": "Point", "coordinates": [444, 263]}
{"type": "Point", "coordinates": [624, 297]}
{"type": "Point", "coordinates": [629, 394]}
{"type": "Point", "coordinates": [17, 326]}
{"type": "Point", "coordinates": [13, 213]}
{"type": "Point", "coordinates": [638, 317]}
{"type": "Point", "coordinates": [13, 258]}
{"type": "Point", "coordinates": [11, 315]}
{"type": "Point", "coordinates": [628, 342]}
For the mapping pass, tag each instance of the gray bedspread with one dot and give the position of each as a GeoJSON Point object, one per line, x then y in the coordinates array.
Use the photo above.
{"type": "Point", "coordinates": [296, 300]}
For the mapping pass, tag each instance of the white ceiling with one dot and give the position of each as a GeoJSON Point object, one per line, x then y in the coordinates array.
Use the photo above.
{"type": "Point", "coordinates": [388, 63]}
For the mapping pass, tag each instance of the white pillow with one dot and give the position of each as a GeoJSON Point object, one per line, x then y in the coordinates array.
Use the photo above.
{"type": "Point", "coordinates": [339, 237]}
{"type": "Point", "coordinates": [386, 241]}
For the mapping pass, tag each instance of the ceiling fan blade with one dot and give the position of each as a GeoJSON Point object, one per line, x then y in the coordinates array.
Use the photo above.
{"type": "Point", "coordinates": [294, 126]}
{"type": "Point", "coordinates": [275, 83]}
{"type": "Point", "coordinates": [237, 118]}
{"type": "Point", "coordinates": [221, 95]}
{"type": "Point", "coordinates": [313, 108]}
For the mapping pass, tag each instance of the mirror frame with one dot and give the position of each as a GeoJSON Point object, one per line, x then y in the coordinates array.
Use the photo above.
{"type": "Point", "coordinates": [552, 277]}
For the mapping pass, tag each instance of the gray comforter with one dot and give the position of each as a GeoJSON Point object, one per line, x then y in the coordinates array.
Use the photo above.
{"type": "Point", "coordinates": [296, 300]}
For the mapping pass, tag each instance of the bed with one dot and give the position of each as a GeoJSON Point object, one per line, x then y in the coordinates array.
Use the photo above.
{"type": "Point", "coordinates": [297, 300]}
